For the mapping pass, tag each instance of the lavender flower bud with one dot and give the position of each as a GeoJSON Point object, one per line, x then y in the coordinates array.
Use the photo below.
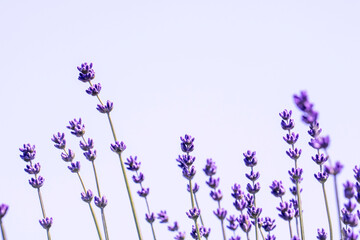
{"type": "Point", "coordinates": [291, 138]}
{"type": "Point", "coordinates": [350, 206]}
{"type": "Point", "coordinates": [210, 167]}
{"type": "Point", "coordinates": [86, 146]}
{"type": "Point", "coordinates": [320, 142]}
{"type": "Point", "coordinates": [90, 155]}
{"type": "Point", "coordinates": [195, 188]}
{"type": "Point", "coordinates": [334, 170]}
{"type": "Point", "coordinates": [216, 195]}
{"type": "Point", "coordinates": [87, 197]}
{"type": "Point", "coordinates": [250, 159]}
{"type": "Point", "coordinates": [68, 157]}
{"type": "Point", "coordinates": [315, 130]}
{"type": "Point", "coordinates": [232, 223]}
{"type": "Point", "coordinates": [132, 164]}
{"type": "Point", "coordinates": [162, 216]}
{"type": "Point", "coordinates": [301, 101]}
{"type": "Point", "coordinates": [150, 218]}
{"type": "Point", "coordinates": [249, 198]}
{"type": "Point", "coordinates": [46, 222]}
{"type": "Point", "coordinates": [180, 236]}
{"type": "Point", "coordinates": [187, 145]}
{"type": "Point", "coordinates": [189, 174]}
{"type": "Point", "coordinates": [86, 72]}
{"type": "Point", "coordinates": [349, 190]}
{"type": "Point", "coordinates": [205, 231]}
{"type": "Point", "coordinates": [220, 213]}
{"type": "Point", "coordinates": [193, 213]}
{"type": "Point", "coordinates": [240, 205]}
{"type": "Point", "coordinates": [295, 175]}
{"type": "Point", "coordinates": [293, 190]}
{"type": "Point", "coordinates": [143, 192]}
{"type": "Point", "coordinates": [254, 212]}
{"type": "Point", "coordinates": [244, 223]}
{"type": "Point", "coordinates": [349, 218]}
{"type": "Point", "coordinates": [33, 169]}
{"type": "Point", "coordinates": [235, 238]}
{"type": "Point", "coordinates": [194, 234]}
{"type": "Point", "coordinates": [107, 108]}
{"type": "Point", "coordinates": [94, 90]}
{"type": "Point", "coordinates": [294, 154]}
{"type": "Point", "coordinates": [174, 227]}
{"type": "Point", "coordinates": [288, 125]}
{"type": "Point", "coordinates": [322, 235]}
{"type": "Point", "coordinates": [185, 161]}
{"type": "Point", "coordinates": [76, 127]}
{"type": "Point", "coordinates": [320, 159]}
{"type": "Point", "coordinates": [349, 234]}
{"type": "Point", "coordinates": [253, 189]}
{"type": "Point", "coordinates": [213, 182]}
{"type": "Point", "coordinates": [139, 178]}
{"type": "Point", "coordinates": [118, 147]}
{"type": "Point", "coordinates": [357, 173]}
{"type": "Point", "coordinates": [252, 176]}
{"type": "Point", "coordinates": [277, 189]}
{"type": "Point", "coordinates": [74, 167]}
{"type": "Point", "coordinates": [237, 193]}
{"type": "Point", "coordinates": [28, 152]}
{"type": "Point", "coordinates": [37, 182]}
{"type": "Point", "coordinates": [100, 202]}
{"type": "Point", "coordinates": [321, 177]}
{"type": "Point", "coordinates": [59, 140]}
{"type": "Point", "coordinates": [286, 211]}
{"type": "Point", "coordinates": [270, 237]}
{"type": "Point", "coordinates": [268, 224]}
{"type": "Point", "coordinates": [3, 210]}
{"type": "Point", "coordinates": [295, 238]}
{"type": "Point", "coordinates": [285, 115]}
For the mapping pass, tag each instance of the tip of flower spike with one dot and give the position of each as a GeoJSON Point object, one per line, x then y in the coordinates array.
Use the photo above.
{"type": "Point", "coordinates": [3, 210]}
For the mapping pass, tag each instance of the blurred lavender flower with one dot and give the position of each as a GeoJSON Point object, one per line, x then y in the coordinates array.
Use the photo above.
{"type": "Point", "coordinates": [46, 222]}
{"type": "Point", "coordinates": [210, 167]}
{"type": "Point", "coordinates": [162, 216]}
{"type": "Point", "coordinates": [3, 210]}
{"type": "Point", "coordinates": [174, 227]}
{"type": "Point", "coordinates": [334, 170]}
{"type": "Point", "coordinates": [349, 234]}
{"type": "Point", "coordinates": [349, 189]}
{"type": "Point", "coordinates": [180, 236]}
{"type": "Point", "coordinates": [304, 105]}
{"type": "Point", "coordinates": [322, 235]}
{"type": "Point", "coordinates": [233, 225]}
{"type": "Point", "coordinates": [107, 108]}
{"type": "Point", "coordinates": [94, 90]}
{"type": "Point", "coordinates": [150, 218]}
{"type": "Point", "coordinates": [86, 72]}
{"type": "Point", "coordinates": [315, 129]}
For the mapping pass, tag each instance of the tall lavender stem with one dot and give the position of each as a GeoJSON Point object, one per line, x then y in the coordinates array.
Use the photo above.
{"type": "Point", "coordinates": [3, 210]}
{"type": "Point", "coordinates": [2, 230]}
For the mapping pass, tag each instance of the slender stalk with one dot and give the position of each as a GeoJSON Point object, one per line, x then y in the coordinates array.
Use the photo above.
{"type": "Point", "coordinates": [262, 235]}
{"type": "Point", "coordinates": [2, 230]}
{"type": "Point", "coordinates": [197, 205]}
{"type": "Point", "coordinates": [291, 235]}
{"type": "Point", "coordinates": [222, 224]}
{"type": "Point", "coordinates": [193, 205]}
{"type": "Point", "coordinates": [43, 212]}
{"type": "Point", "coordinates": [327, 211]}
{"type": "Point", "coordinates": [256, 219]}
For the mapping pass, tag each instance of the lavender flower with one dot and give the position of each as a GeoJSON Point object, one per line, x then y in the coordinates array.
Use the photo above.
{"type": "Point", "coordinates": [253, 189]}
{"type": "Point", "coordinates": [294, 154]}
{"type": "Point", "coordinates": [185, 161]}
{"type": "Point", "coordinates": [187, 145]}
{"type": "Point", "coordinates": [76, 127]}
{"type": "Point", "coordinates": [204, 232]}
{"type": "Point", "coordinates": [74, 167]}
{"type": "Point", "coordinates": [193, 213]}
{"type": "Point", "coordinates": [86, 146]}
{"type": "Point", "coordinates": [87, 197]}
{"type": "Point", "coordinates": [133, 164]}
{"type": "Point", "coordinates": [240, 205]}
{"type": "Point", "coordinates": [59, 140]}
{"type": "Point", "coordinates": [321, 177]}
{"type": "Point", "coordinates": [235, 238]}
{"type": "Point", "coordinates": [28, 152]}
{"type": "Point", "coordinates": [254, 212]}
{"type": "Point", "coordinates": [180, 236]}
{"type": "Point", "coordinates": [94, 90]}
{"type": "Point", "coordinates": [162, 216]}
{"type": "Point", "coordinates": [143, 192]}
{"type": "Point", "coordinates": [216, 195]}
{"type": "Point", "coordinates": [150, 218]}
{"type": "Point", "coordinates": [287, 125]}
{"type": "Point", "coordinates": [286, 211]}
{"type": "Point", "coordinates": [90, 155]}
{"type": "Point", "coordinates": [244, 223]}
{"type": "Point", "coordinates": [322, 235]}
{"type": "Point", "coordinates": [253, 176]}
{"type": "Point", "coordinates": [37, 182]}
{"type": "Point", "coordinates": [334, 170]}
{"type": "Point", "coordinates": [237, 193]}
{"type": "Point", "coordinates": [118, 147]}
{"type": "Point", "coordinates": [233, 225]}
{"type": "Point", "coordinates": [315, 129]}
{"type": "Point", "coordinates": [107, 108]}
{"type": "Point", "coordinates": [46, 223]}
{"type": "Point", "coordinates": [357, 173]}
{"type": "Point", "coordinates": [349, 234]}
{"type": "Point", "coordinates": [100, 202]}
{"type": "Point", "coordinates": [291, 138]}
{"type": "Point", "coordinates": [195, 188]}
{"type": "Point", "coordinates": [349, 190]}
{"type": "Point", "coordinates": [189, 174]}
{"type": "Point", "coordinates": [210, 167]}
{"type": "Point", "coordinates": [69, 156]}
{"type": "Point", "coordinates": [250, 159]}
{"type": "Point", "coordinates": [277, 189]}
{"type": "Point", "coordinates": [320, 159]}
{"type": "Point", "coordinates": [348, 218]}
{"type": "Point", "coordinates": [213, 182]}
{"type": "Point", "coordinates": [295, 175]}
{"type": "Point", "coordinates": [285, 115]}
{"type": "Point", "coordinates": [138, 179]}
{"type": "Point", "coordinates": [3, 210]}
{"type": "Point", "coordinates": [174, 227]}
{"type": "Point", "coordinates": [33, 169]}
{"type": "Point", "coordinates": [86, 72]}
{"type": "Point", "coordinates": [268, 224]}
{"type": "Point", "coordinates": [220, 213]}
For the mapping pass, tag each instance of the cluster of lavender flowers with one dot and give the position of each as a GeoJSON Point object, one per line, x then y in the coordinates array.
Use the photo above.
{"type": "Point", "coordinates": [248, 215]}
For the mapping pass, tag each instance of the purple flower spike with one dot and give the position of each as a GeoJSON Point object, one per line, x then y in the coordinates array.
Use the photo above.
{"type": "Point", "coordinates": [33, 170]}
{"type": "Point", "coordinates": [185, 161]}
{"type": "Point", "coordinates": [187, 143]}
{"type": "Point", "coordinates": [253, 189]}
{"type": "Point", "coordinates": [37, 182]}
{"type": "Point", "coordinates": [294, 154]}
{"type": "Point", "coordinates": [3, 210]}
{"type": "Point", "coordinates": [295, 238]}
{"type": "Point", "coordinates": [46, 223]}
{"type": "Point", "coordinates": [28, 152]}
{"type": "Point", "coordinates": [213, 182]}
{"type": "Point", "coordinates": [76, 127]}
{"type": "Point", "coordinates": [350, 206]}
{"type": "Point", "coordinates": [107, 108]}
{"type": "Point", "coordinates": [162, 216]}
{"type": "Point", "coordinates": [268, 224]}
{"type": "Point", "coordinates": [293, 190]}
{"type": "Point", "coordinates": [249, 198]}
{"type": "Point", "coordinates": [349, 189]}
{"type": "Point", "coordinates": [320, 159]}
{"type": "Point", "coordinates": [286, 211]}
{"type": "Point", "coordinates": [320, 142]}
{"type": "Point", "coordinates": [244, 223]}
{"type": "Point", "coordinates": [291, 138]}
{"type": "Point", "coordinates": [348, 218]}
{"type": "Point", "coordinates": [205, 231]}
{"type": "Point", "coordinates": [349, 234]}
{"type": "Point", "coordinates": [150, 218]}
{"type": "Point", "coordinates": [277, 189]}
{"type": "Point", "coordinates": [285, 115]}
{"type": "Point", "coordinates": [189, 174]}
{"type": "Point", "coordinates": [86, 146]}
{"type": "Point", "coordinates": [194, 234]}
{"type": "Point", "coordinates": [74, 167]}
{"type": "Point", "coordinates": [322, 235]}
{"type": "Point", "coordinates": [138, 179]}
{"type": "Point", "coordinates": [334, 170]}
{"type": "Point", "coordinates": [86, 72]}
{"type": "Point", "coordinates": [143, 192]}
{"type": "Point", "coordinates": [87, 197]}
{"type": "Point", "coordinates": [68, 157]}
{"type": "Point", "coordinates": [174, 227]}
{"type": "Point", "coordinates": [180, 236]}
{"type": "Point", "coordinates": [288, 125]}
{"type": "Point", "coordinates": [210, 167]}
{"type": "Point", "coordinates": [100, 202]}
{"type": "Point", "coordinates": [59, 140]}
{"type": "Point", "coordinates": [253, 176]}
{"type": "Point", "coordinates": [195, 188]}
{"type": "Point", "coordinates": [295, 175]}
{"type": "Point", "coordinates": [216, 195]}
{"type": "Point", "coordinates": [240, 205]}
{"type": "Point", "coordinates": [94, 90]}
{"type": "Point", "coordinates": [233, 225]}
{"type": "Point", "coordinates": [254, 212]}
{"type": "Point", "coordinates": [250, 159]}
{"type": "Point", "coordinates": [315, 129]}
{"type": "Point", "coordinates": [90, 155]}
{"type": "Point", "coordinates": [193, 213]}
{"type": "Point", "coordinates": [235, 238]}
{"type": "Point", "coordinates": [118, 147]}
{"type": "Point", "coordinates": [321, 177]}
{"type": "Point", "coordinates": [220, 213]}
{"type": "Point", "coordinates": [357, 173]}
{"type": "Point", "coordinates": [133, 164]}
{"type": "Point", "coordinates": [237, 192]}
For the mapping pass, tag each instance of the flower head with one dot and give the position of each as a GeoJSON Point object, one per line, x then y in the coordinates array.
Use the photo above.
{"type": "Point", "coordinates": [216, 195]}
{"type": "Point", "coordinates": [37, 182]}
{"type": "Point", "coordinates": [250, 159]}
{"type": "Point", "coordinates": [187, 145]}
{"type": "Point", "coordinates": [28, 152]}
{"type": "Point", "coordinates": [320, 159]}
{"type": "Point", "coordinates": [213, 182]}
{"type": "Point", "coordinates": [210, 167]}
{"type": "Point", "coordinates": [334, 170]}
{"type": "Point", "coordinates": [150, 218]}
{"type": "Point", "coordinates": [94, 90]}
{"type": "Point", "coordinates": [59, 140]}
{"type": "Point", "coordinates": [193, 213]}
{"type": "Point", "coordinates": [69, 156]}
{"type": "Point", "coordinates": [244, 223]}
{"type": "Point", "coordinates": [33, 169]}
{"type": "Point", "coordinates": [46, 222]}
{"type": "Point", "coordinates": [74, 167]}
{"type": "Point", "coordinates": [220, 213]}
{"type": "Point", "coordinates": [118, 147]}
{"type": "Point", "coordinates": [107, 108]}
{"type": "Point", "coordinates": [3, 210]}
{"type": "Point", "coordinates": [189, 173]}
{"type": "Point", "coordinates": [87, 197]}
{"type": "Point", "coordinates": [100, 202]}
{"type": "Point", "coordinates": [90, 155]}
{"type": "Point", "coordinates": [132, 163]}
{"type": "Point", "coordinates": [315, 129]}
{"type": "Point", "coordinates": [86, 72]}
{"type": "Point", "coordinates": [285, 115]}
{"type": "Point", "coordinates": [277, 189]}
{"type": "Point", "coordinates": [180, 236]}
{"type": "Point", "coordinates": [174, 227]}
{"type": "Point", "coordinates": [139, 178]}
{"type": "Point", "coordinates": [232, 223]}
{"type": "Point", "coordinates": [268, 224]}
{"type": "Point", "coordinates": [237, 192]}
{"type": "Point", "coordinates": [86, 146]}
{"type": "Point", "coordinates": [321, 234]}
{"type": "Point", "coordinates": [162, 216]}
{"type": "Point", "coordinates": [77, 127]}
{"type": "Point", "coordinates": [143, 192]}
{"type": "Point", "coordinates": [196, 188]}
{"type": "Point", "coordinates": [321, 177]}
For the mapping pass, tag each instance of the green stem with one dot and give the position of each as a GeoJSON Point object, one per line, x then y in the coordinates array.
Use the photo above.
{"type": "Point", "coordinates": [262, 234]}
{"type": "Point", "coordinates": [291, 235]}
{"type": "Point", "coordinates": [43, 212]}
{"type": "Point", "coordinates": [222, 224]}
{"type": "Point", "coordinates": [327, 211]}
{"type": "Point", "coordinates": [193, 206]}
{"type": "Point", "coordinates": [2, 230]}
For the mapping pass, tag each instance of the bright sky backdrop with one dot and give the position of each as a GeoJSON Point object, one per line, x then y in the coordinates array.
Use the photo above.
{"type": "Point", "coordinates": [218, 70]}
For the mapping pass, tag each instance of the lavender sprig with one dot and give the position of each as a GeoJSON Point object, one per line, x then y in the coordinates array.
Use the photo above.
{"type": "Point", "coordinates": [3, 210]}
{"type": "Point", "coordinates": [28, 153]}
{"type": "Point", "coordinates": [108, 107]}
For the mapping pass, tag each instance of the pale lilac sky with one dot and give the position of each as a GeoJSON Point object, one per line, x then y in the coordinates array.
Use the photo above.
{"type": "Point", "coordinates": [218, 70]}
